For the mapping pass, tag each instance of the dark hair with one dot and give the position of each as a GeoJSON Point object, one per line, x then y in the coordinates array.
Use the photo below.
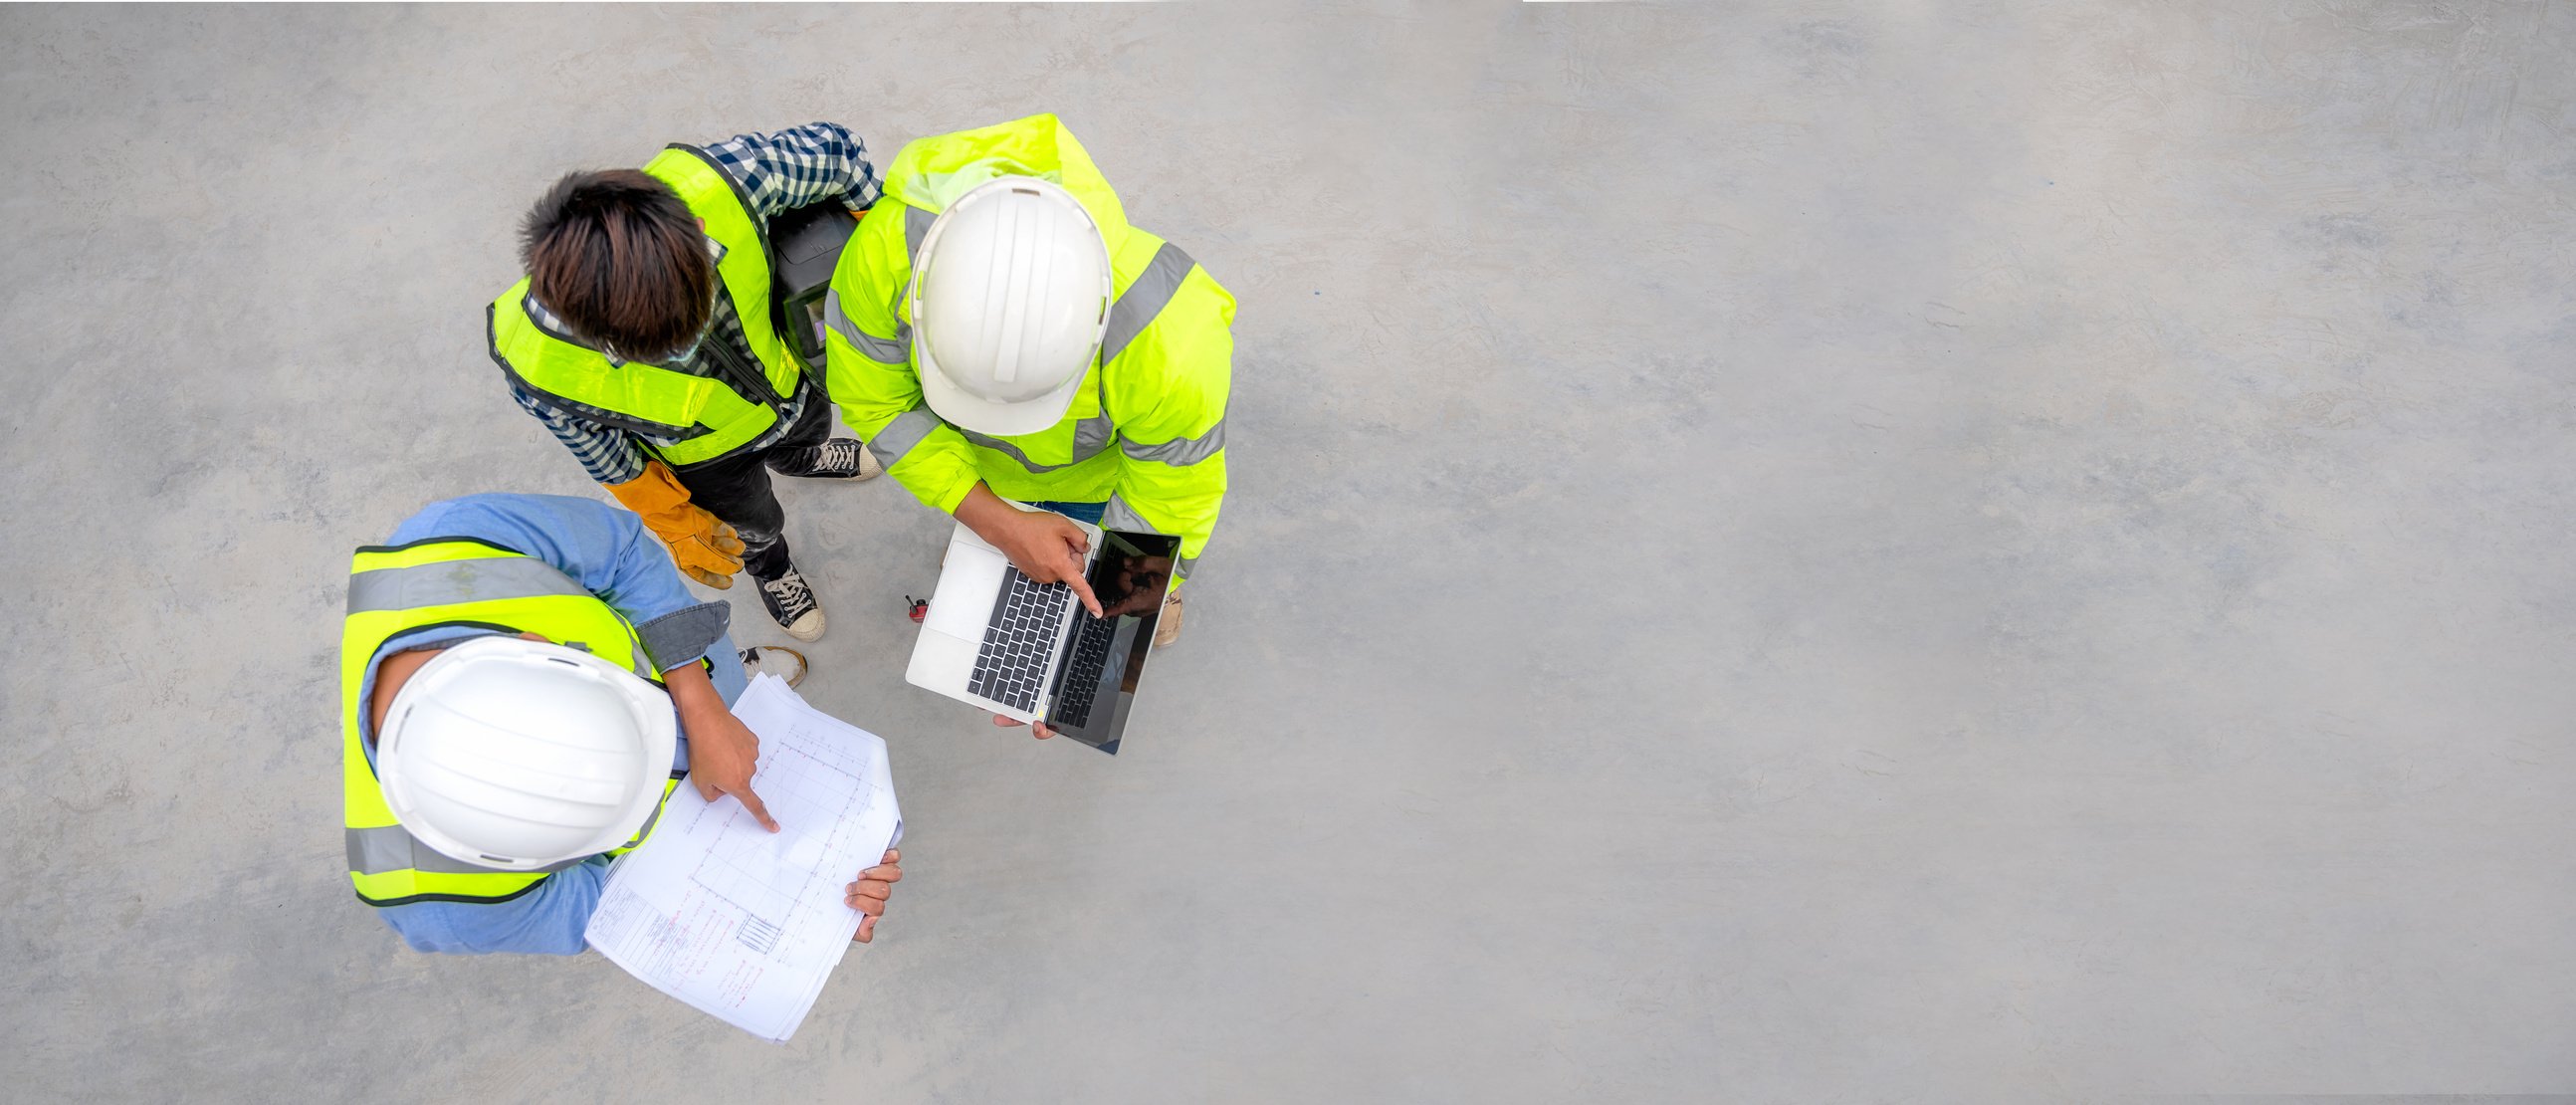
{"type": "Point", "coordinates": [621, 260]}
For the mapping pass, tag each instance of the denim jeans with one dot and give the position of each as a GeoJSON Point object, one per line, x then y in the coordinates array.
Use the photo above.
{"type": "Point", "coordinates": [1080, 512]}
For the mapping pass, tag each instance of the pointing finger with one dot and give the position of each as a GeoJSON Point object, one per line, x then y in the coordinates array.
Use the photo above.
{"type": "Point", "coordinates": [753, 803]}
{"type": "Point", "coordinates": [1082, 587]}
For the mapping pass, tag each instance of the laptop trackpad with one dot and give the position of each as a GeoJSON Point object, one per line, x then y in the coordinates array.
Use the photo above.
{"type": "Point", "coordinates": [967, 587]}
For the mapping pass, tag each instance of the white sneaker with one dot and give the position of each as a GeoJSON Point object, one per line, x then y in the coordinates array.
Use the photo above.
{"type": "Point", "coordinates": [774, 659]}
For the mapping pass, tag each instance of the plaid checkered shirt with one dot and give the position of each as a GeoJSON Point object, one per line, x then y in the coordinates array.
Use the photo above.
{"type": "Point", "coordinates": [780, 172]}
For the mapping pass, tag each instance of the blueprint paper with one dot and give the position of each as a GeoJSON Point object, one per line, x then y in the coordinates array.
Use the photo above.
{"type": "Point", "coordinates": [740, 922]}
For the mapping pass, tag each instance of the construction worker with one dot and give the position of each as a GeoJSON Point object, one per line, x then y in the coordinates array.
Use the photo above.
{"type": "Point", "coordinates": [998, 331]}
{"type": "Point", "coordinates": [524, 678]}
{"type": "Point", "coordinates": [644, 336]}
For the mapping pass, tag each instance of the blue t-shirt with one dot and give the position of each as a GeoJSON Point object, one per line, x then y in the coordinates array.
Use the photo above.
{"type": "Point", "coordinates": [608, 551]}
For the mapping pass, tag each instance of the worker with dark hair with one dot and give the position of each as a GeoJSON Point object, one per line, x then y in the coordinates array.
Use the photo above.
{"type": "Point", "coordinates": [644, 337]}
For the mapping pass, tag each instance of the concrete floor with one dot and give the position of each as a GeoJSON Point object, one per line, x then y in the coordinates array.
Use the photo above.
{"type": "Point", "coordinates": [1780, 552]}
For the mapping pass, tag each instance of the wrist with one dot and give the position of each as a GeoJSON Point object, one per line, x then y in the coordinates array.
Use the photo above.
{"type": "Point", "coordinates": [985, 513]}
{"type": "Point", "coordinates": [692, 693]}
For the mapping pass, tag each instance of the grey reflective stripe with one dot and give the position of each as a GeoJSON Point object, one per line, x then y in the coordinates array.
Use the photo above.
{"type": "Point", "coordinates": [376, 851]}
{"type": "Point", "coordinates": [1090, 436]}
{"type": "Point", "coordinates": [895, 351]}
{"type": "Point", "coordinates": [916, 226]}
{"type": "Point", "coordinates": [649, 822]}
{"type": "Point", "coordinates": [1180, 451]}
{"type": "Point", "coordinates": [1144, 299]}
{"type": "Point", "coordinates": [1118, 515]}
{"type": "Point", "coordinates": [456, 581]}
{"type": "Point", "coordinates": [899, 436]}
{"type": "Point", "coordinates": [388, 848]}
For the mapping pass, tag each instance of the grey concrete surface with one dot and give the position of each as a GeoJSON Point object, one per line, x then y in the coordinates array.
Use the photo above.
{"type": "Point", "coordinates": [1780, 552]}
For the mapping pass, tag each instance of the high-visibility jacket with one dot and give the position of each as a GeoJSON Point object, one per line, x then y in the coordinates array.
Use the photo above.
{"type": "Point", "coordinates": [705, 418]}
{"type": "Point", "coordinates": [454, 582]}
{"type": "Point", "coordinates": [1146, 432]}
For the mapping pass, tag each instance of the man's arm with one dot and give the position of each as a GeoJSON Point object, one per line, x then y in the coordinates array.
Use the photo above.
{"type": "Point", "coordinates": [788, 169]}
{"type": "Point", "coordinates": [607, 454]}
{"type": "Point", "coordinates": [1171, 451]}
{"type": "Point", "coordinates": [868, 370]}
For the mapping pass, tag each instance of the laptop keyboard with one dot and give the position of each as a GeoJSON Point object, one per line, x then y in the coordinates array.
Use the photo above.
{"type": "Point", "coordinates": [1082, 669]}
{"type": "Point", "coordinates": [1010, 666]}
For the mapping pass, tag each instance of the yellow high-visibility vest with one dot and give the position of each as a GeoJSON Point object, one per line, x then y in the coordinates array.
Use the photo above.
{"type": "Point", "coordinates": [704, 418]}
{"type": "Point", "coordinates": [454, 581]}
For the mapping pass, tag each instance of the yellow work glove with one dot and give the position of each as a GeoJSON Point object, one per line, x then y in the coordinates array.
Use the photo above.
{"type": "Point", "coordinates": [705, 549]}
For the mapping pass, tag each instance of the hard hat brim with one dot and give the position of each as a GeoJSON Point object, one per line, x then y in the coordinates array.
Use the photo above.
{"type": "Point", "coordinates": [961, 408]}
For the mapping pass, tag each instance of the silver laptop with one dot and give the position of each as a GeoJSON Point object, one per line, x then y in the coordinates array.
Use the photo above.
{"type": "Point", "coordinates": [1029, 651]}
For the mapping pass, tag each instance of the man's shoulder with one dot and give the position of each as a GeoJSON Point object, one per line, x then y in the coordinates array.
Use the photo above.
{"type": "Point", "coordinates": [877, 262]}
{"type": "Point", "coordinates": [471, 516]}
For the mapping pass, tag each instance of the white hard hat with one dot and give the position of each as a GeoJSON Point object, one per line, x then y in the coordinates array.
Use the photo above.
{"type": "Point", "coordinates": [519, 755]}
{"type": "Point", "coordinates": [1010, 296]}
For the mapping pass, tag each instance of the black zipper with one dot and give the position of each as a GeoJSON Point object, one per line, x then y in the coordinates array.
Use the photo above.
{"type": "Point", "coordinates": [733, 365]}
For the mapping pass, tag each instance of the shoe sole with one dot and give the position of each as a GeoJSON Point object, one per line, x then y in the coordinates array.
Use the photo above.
{"type": "Point", "coordinates": [802, 665]}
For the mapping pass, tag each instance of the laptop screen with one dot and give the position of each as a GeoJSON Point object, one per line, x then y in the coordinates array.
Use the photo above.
{"type": "Point", "coordinates": [1105, 657]}
{"type": "Point", "coordinates": [1130, 579]}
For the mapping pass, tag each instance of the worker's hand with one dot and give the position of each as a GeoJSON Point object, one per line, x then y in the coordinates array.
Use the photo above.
{"type": "Point", "coordinates": [1043, 545]}
{"type": "Point", "coordinates": [1037, 729]}
{"type": "Point", "coordinates": [723, 752]}
{"type": "Point", "coordinates": [711, 557]}
{"type": "Point", "coordinates": [705, 549]}
{"type": "Point", "coordinates": [869, 894]}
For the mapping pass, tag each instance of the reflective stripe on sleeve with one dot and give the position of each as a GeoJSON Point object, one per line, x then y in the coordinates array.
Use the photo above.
{"type": "Point", "coordinates": [916, 226]}
{"type": "Point", "coordinates": [1144, 299]}
{"type": "Point", "coordinates": [887, 351]}
{"type": "Point", "coordinates": [1118, 515]}
{"type": "Point", "coordinates": [458, 581]}
{"type": "Point", "coordinates": [1179, 452]}
{"type": "Point", "coordinates": [900, 435]}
